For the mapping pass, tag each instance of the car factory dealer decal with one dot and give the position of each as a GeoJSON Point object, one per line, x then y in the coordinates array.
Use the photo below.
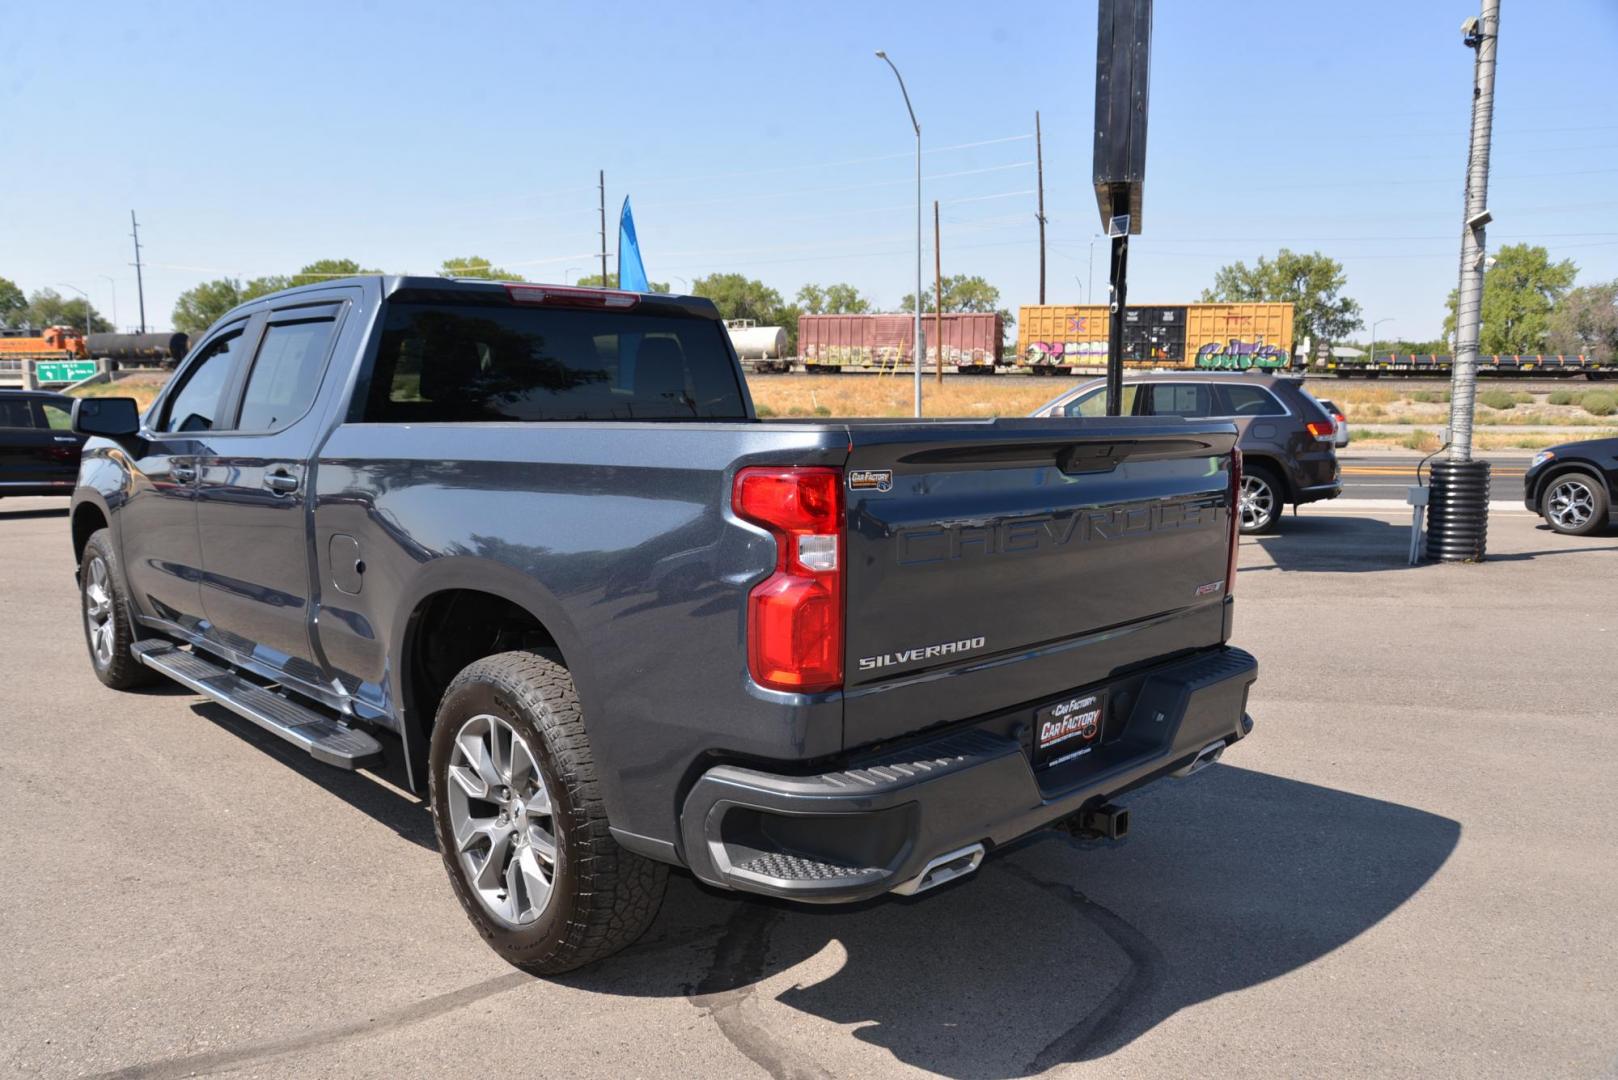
{"type": "Point", "coordinates": [1071, 722]}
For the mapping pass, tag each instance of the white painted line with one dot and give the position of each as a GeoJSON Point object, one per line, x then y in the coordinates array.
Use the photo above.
{"type": "Point", "coordinates": [1328, 505]}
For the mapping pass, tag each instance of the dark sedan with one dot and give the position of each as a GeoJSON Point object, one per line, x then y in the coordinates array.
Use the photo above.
{"type": "Point", "coordinates": [39, 452]}
{"type": "Point", "coordinates": [1574, 486]}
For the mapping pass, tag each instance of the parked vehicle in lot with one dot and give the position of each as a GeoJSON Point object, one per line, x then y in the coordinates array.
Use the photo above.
{"type": "Point", "coordinates": [1574, 487]}
{"type": "Point", "coordinates": [1286, 437]}
{"type": "Point", "coordinates": [535, 540]}
{"type": "Point", "coordinates": [1341, 420]}
{"type": "Point", "coordinates": [39, 452]}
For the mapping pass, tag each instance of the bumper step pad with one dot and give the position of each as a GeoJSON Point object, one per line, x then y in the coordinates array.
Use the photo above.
{"type": "Point", "coordinates": [324, 737]}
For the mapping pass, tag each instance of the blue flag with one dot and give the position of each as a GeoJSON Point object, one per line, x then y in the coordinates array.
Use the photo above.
{"type": "Point", "coordinates": [631, 274]}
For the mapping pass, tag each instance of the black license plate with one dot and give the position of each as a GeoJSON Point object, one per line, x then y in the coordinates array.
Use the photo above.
{"type": "Point", "coordinates": [1069, 729]}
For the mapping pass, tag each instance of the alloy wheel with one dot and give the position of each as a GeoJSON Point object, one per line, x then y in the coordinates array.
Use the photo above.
{"type": "Point", "coordinates": [1257, 503]}
{"type": "Point", "coordinates": [1570, 504]}
{"type": "Point", "coordinates": [98, 610]}
{"type": "Point", "coordinates": [500, 814]}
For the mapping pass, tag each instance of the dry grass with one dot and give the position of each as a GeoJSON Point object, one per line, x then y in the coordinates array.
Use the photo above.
{"type": "Point", "coordinates": [893, 396]}
{"type": "Point", "coordinates": [1483, 440]}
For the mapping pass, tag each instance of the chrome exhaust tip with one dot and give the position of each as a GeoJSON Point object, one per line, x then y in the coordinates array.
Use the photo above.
{"type": "Point", "coordinates": [944, 868]}
{"type": "Point", "coordinates": [1205, 757]}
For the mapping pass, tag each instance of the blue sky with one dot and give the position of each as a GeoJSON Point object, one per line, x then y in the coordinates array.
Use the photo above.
{"type": "Point", "coordinates": [767, 139]}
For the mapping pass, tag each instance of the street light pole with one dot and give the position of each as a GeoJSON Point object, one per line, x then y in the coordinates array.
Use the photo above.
{"type": "Point", "coordinates": [1371, 351]}
{"type": "Point", "coordinates": [916, 351]}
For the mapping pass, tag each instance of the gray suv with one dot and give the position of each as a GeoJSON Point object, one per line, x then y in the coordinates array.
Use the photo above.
{"type": "Point", "coordinates": [1286, 435]}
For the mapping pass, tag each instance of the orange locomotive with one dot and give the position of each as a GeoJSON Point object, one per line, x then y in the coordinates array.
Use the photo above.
{"type": "Point", "coordinates": [52, 343]}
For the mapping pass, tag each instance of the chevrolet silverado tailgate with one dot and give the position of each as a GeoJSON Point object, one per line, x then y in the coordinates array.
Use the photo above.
{"type": "Point", "coordinates": [995, 563]}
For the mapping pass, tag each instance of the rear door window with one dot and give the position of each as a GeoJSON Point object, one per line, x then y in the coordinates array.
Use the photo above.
{"type": "Point", "coordinates": [16, 413]}
{"type": "Point", "coordinates": [286, 374]}
{"type": "Point", "coordinates": [469, 363]}
{"type": "Point", "coordinates": [1249, 401]}
{"type": "Point", "coordinates": [1179, 399]}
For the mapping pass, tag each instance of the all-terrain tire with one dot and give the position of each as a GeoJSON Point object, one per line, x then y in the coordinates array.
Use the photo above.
{"type": "Point", "coordinates": [603, 896]}
{"type": "Point", "coordinates": [104, 611]}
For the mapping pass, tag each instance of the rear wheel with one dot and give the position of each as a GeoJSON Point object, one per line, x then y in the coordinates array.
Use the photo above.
{"type": "Point", "coordinates": [1261, 502]}
{"type": "Point", "coordinates": [107, 629]}
{"type": "Point", "coordinates": [1575, 504]}
{"type": "Point", "coordinates": [520, 823]}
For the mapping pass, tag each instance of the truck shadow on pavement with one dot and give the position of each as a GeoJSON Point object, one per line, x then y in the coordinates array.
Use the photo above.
{"type": "Point", "coordinates": [1058, 950]}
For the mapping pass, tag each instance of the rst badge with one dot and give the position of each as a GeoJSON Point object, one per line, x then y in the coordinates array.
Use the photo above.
{"type": "Point", "coordinates": [870, 479]}
{"type": "Point", "coordinates": [1068, 729]}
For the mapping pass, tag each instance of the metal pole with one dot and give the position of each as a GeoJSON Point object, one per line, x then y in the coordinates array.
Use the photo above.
{"type": "Point", "coordinates": [1115, 321]}
{"type": "Point", "coordinates": [938, 294]}
{"type": "Point", "coordinates": [1089, 279]}
{"type": "Point", "coordinates": [1371, 352]}
{"type": "Point", "coordinates": [140, 285]}
{"type": "Point", "coordinates": [604, 282]}
{"type": "Point", "coordinates": [1483, 38]}
{"type": "Point", "coordinates": [916, 353]}
{"type": "Point", "coordinates": [1039, 173]}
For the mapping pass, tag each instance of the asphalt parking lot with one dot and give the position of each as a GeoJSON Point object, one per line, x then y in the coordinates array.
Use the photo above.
{"type": "Point", "coordinates": [1408, 869]}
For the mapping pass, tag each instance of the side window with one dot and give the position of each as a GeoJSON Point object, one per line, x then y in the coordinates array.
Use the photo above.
{"type": "Point", "coordinates": [16, 412]}
{"type": "Point", "coordinates": [56, 417]}
{"type": "Point", "coordinates": [1250, 401]}
{"type": "Point", "coordinates": [194, 407]}
{"type": "Point", "coordinates": [286, 374]}
{"type": "Point", "coordinates": [1095, 402]}
{"type": "Point", "coordinates": [1180, 399]}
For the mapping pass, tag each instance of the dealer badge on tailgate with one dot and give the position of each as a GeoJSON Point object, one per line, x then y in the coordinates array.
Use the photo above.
{"type": "Point", "coordinates": [1068, 729]}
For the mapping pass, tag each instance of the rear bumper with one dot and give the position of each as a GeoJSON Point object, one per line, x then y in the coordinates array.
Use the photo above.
{"type": "Point", "coordinates": [1320, 491]}
{"type": "Point", "coordinates": [874, 826]}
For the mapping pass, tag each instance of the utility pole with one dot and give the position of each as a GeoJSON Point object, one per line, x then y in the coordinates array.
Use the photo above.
{"type": "Point", "coordinates": [1039, 173]}
{"type": "Point", "coordinates": [140, 286]}
{"type": "Point", "coordinates": [938, 296]}
{"type": "Point", "coordinates": [1482, 36]}
{"type": "Point", "coordinates": [1458, 497]}
{"type": "Point", "coordinates": [603, 228]}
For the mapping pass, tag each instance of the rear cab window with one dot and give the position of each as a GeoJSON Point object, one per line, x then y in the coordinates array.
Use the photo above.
{"type": "Point", "coordinates": [470, 362]}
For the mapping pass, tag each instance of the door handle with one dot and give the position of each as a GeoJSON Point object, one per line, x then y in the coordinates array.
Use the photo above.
{"type": "Point", "coordinates": [282, 483]}
{"type": "Point", "coordinates": [183, 473]}
{"type": "Point", "coordinates": [65, 438]}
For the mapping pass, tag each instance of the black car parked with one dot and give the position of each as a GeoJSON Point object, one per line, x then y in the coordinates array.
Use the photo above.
{"type": "Point", "coordinates": [1574, 486]}
{"type": "Point", "coordinates": [39, 451]}
{"type": "Point", "coordinates": [1285, 435]}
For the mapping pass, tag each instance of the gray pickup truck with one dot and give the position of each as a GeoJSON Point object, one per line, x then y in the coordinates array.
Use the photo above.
{"type": "Point", "coordinates": [536, 542]}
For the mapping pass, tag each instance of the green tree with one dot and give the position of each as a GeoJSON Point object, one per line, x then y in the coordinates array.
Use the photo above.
{"type": "Point", "coordinates": [1520, 290]}
{"type": "Point", "coordinates": [739, 297]}
{"type": "Point", "coordinates": [594, 281]}
{"type": "Point", "coordinates": [838, 299]}
{"type": "Point", "coordinates": [12, 303]}
{"type": "Point", "coordinates": [1586, 321]}
{"type": "Point", "coordinates": [47, 307]}
{"type": "Point", "coordinates": [201, 306]}
{"type": "Point", "coordinates": [476, 266]}
{"type": "Point", "coordinates": [323, 270]}
{"type": "Point", "coordinates": [1312, 283]}
{"type": "Point", "coordinates": [962, 293]}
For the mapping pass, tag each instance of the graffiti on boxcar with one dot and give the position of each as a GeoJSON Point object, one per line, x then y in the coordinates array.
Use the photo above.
{"type": "Point", "coordinates": [1239, 355]}
{"type": "Point", "coordinates": [1066, 352]}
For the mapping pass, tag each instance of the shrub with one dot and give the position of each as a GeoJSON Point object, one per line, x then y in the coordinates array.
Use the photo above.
{"type": "Point", "coordinates": [1498, 399]}
{"type": "Point", "coordinates": [1599, 403]}
{"type": "Point", "coordinates": [764, 411]}
{"type": "Point", "coordinates": [1431, 397]}
{"type": "Point", "coordinates": [1420, 440]}
{"type": "Point", "coordinates": [1560, 397]}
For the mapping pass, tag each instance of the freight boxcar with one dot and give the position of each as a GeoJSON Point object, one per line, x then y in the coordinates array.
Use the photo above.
{"type": "Point", "coordinates": [971, 341]}
{"type": "Point", "coordinates": [1211, 336]}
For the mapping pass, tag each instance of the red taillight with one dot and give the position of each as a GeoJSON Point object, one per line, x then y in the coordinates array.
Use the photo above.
{"type": "Point", "coordinates": [571, 297]}
{"type": "Point", "coordinates": [1235, 518]}
{"type": "Point", "coordinates": [1322, 430]}
{"type": "Point", "coordinates": [795, 616]}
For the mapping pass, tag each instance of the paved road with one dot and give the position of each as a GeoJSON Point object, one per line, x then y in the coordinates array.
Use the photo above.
{"type": "Point", "coordinates": [1387, 476]}
{"type": "Point", "coordinates": [1408, 869]}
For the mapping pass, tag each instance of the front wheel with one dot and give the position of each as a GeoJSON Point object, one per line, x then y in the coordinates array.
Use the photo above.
{"type": "Point", "coordinates": [107, 629]}
{"type": "Point", "coordinates": [1575, 504]}
{"type": "Point", "coordinates": [1260, 502]}
{"type": "Point", "coordinates": [521, 827]}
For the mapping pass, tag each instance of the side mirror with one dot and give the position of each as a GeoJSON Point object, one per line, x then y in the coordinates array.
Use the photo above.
{"type": "Point", "coordinates": [111, 417]}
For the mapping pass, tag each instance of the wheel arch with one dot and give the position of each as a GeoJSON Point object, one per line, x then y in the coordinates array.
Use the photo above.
{"type": "Point", "coordinates": [449, 596]}
{"type": "Point", "coordinates": [1563, 468]}
{"type": "Point", "coordinates": [1271, 464]}
{"type": "Point", "coordinates": [87, 516]}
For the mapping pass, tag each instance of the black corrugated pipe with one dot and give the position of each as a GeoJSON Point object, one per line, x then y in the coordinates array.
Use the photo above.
{"type": "Point", "coordinates": [1458, 511]}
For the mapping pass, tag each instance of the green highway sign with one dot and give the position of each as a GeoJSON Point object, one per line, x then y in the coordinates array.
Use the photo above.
{"type": "Point", "coordinates": [64, 371]}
